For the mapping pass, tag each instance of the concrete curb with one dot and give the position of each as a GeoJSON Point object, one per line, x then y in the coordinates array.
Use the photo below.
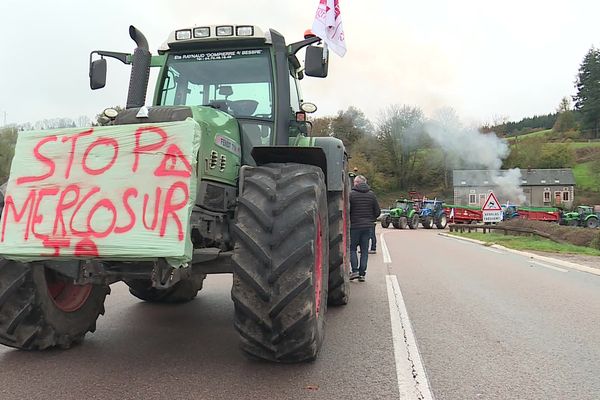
{"type": "Point", "coordinates": [562, 263]}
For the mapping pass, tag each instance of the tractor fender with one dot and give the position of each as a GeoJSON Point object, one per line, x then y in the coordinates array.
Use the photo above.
{"type": "Point", "coordinates": [326, 153]}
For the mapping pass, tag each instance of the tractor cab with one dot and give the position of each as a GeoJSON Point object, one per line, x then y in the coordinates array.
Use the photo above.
{"type": "Point", "coordinates": [239, 70]}
{"type": "Point", "coordinates": [404, 204]}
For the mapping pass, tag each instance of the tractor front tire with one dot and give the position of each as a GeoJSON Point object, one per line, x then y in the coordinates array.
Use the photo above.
{"type": "Point", "coordinates": [339, 248]}
{"type": "Point", "coordinates": [413, 222]}
{"type": "Point", "coordinates": [40, 308]}
{"type": "Point", "coordinates": [403, 222]}
{"type": "Point", "coordinates": [442, 222]}
{"type": "Point", "coordinates": [427, 222]}
{"type": "Point", "coordinates": [386, 220]}
{"type": "Point", "coordinates": [280, 259]}
{"type": "Point", "coordinates": [182, 292]}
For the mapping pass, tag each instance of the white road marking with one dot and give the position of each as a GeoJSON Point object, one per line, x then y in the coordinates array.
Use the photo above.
{"type": "Point", "coordinates": [494, 250]}
{"type": "Point", "coordinates": [456, 239]}
{"type": "Point", "coordinates": [386, 254]}
{"type": "Point", "coordinates": [412, 380]}
{"type": "Point", "coordinates": [548, 266]}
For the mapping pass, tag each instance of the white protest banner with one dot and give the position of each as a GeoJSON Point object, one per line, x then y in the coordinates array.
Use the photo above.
{"type": "Point", "coordinates": [114, 192]}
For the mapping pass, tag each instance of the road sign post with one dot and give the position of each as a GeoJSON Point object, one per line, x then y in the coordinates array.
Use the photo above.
{"type": "Point", "coordinates": [492, 211]}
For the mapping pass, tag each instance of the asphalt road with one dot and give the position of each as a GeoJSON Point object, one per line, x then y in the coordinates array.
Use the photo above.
{"type": "Point", "coordinates": [488, 325]}
{"type": "Point", "coordinates": [494, 325]}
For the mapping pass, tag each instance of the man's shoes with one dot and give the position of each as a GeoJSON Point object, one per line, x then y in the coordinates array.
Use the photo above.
{"type": "Point", "coordinates": [373, 251]}
{"type": "Point", "coordinates": [354, 275]}
{"type": "Point", "coordinates": [361, 278]}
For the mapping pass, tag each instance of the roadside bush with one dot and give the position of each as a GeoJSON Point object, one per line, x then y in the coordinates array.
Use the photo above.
{"type": "Point", "coordinates": [576, 236]}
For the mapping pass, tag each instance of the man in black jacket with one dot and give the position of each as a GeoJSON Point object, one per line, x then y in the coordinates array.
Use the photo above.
{"type": "Point", "coordinates": [364, 210]}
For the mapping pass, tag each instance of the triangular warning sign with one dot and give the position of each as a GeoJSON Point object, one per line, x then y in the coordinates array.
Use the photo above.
{"type": "Point", "coordinates": [168, 164]}
{"type": "Point", "coordinates": [491, 204]}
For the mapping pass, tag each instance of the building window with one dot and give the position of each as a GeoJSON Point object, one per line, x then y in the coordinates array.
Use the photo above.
{"type": "Point", "coordinates": [566, 196]}
{"type": "Point", "coordinates": [472, 199]}
{"type": "Point", "coordinates": [546, 196]}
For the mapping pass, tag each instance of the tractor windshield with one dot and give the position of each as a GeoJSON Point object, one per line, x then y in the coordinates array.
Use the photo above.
{"type": "Point", "coordinates": [402, 205]}
{"type": "Point", "coordinates": [235, 81]}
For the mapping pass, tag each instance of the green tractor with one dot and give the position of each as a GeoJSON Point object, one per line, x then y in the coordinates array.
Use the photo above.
{"type": "Point", "coordinates": [584, 216]}
{"type": "Point", "coordinates": [402, 215]}
{"type": "Point", "coordinates": [271, 202]}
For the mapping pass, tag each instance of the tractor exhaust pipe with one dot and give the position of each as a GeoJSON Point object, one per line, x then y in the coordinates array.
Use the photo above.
{"type": "Point", "coordinates": [140, 70]}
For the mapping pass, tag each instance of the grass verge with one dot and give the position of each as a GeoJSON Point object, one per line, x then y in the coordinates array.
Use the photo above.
{"type": "Point", "coordinates": [528, 243]}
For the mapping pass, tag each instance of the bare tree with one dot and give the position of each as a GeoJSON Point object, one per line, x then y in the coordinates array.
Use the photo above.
{"type": "Point", "coordinates": [400, 131]}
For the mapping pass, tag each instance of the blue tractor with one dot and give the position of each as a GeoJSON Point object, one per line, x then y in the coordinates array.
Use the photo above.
{"type": "Point", "coordinates": [432, 213]}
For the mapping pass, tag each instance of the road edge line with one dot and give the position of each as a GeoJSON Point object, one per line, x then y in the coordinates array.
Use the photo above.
{"type": "Point", "coordinates": [410, 373]}
{"type": "Point", "coordinates": [387, 259]}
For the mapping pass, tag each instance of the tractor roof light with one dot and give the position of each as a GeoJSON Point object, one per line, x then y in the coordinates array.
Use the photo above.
{"type": "Point", "coordinates": [202, 32]}
{"type": "Point", "coordinates": [226, 30]}
{"type": "Point", "coordinates": [184, 34]}
{"type": "Point", "coordinates": [197, 36]}
{"type": "Point", "coordinates": [244, 30]}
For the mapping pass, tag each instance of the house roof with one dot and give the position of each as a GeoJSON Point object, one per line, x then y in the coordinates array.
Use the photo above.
{"type": "Point", "coordinates": [529, 177]}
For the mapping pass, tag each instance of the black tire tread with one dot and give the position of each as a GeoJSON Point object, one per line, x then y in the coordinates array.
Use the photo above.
{"type": "Point", "coordinates": [23, 322]}
{"type": "Point", "coordinates": [272, 294]}
{"type": "Point", "coordinates": [338, 291]}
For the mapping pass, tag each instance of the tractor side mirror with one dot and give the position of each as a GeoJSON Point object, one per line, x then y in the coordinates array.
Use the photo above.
{"type": "Point", "coordinates": [98, 74]}
{"type": "Point", "coordinates": [315, 64]}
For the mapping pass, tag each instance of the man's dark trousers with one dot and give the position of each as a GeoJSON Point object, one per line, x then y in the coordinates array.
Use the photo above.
{"type": "Point", "coordinates": [373, 239]}
{"type": "Point", "coordinates": [359, 237]}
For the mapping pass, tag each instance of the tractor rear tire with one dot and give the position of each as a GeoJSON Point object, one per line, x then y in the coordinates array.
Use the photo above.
{"type": "Point", "coordinates": [40, 308]}
{"type": "Point", "coordinates": [339, 248]}
{"type": "Point", "coordinates": [386, 220]}
{"type": "Point", "coordinates": [413, 222]}
{"type": "Point", "coordinates": [280, 260]}
{"type": "Point", "coordinates": [592, 223]}
{"type": "Point", "coordinates": [403, 222]}
{"type": "Point", "coordinates": [428, 222]}
{"type": "Point", "coordinates": [182, 292]}
{"type": "Point", "coordinates": [442, 222]}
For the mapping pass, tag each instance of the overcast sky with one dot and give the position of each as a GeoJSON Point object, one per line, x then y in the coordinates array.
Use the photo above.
{"type": "Point", "coordinates": [510, 58]}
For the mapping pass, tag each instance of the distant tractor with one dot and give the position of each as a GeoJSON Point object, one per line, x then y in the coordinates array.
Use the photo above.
{"type": "Point", "coordinates": [584, 216]}
{"type": "Point", "coordinates": [432, 213]}
{"type": "Point", "coordinates": [510, 212]}
{"type": "Point", "coordinates": [402, 215]}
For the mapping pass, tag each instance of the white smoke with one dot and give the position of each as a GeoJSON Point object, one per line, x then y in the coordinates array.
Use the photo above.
{"type": "Point", "coordinates": [467, 148]}
{"type": "Point", "coordinates": [509, 186]}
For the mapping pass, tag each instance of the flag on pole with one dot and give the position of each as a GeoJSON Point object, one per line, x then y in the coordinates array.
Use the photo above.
{"type": "Point", "coordinates": [328, 26]}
